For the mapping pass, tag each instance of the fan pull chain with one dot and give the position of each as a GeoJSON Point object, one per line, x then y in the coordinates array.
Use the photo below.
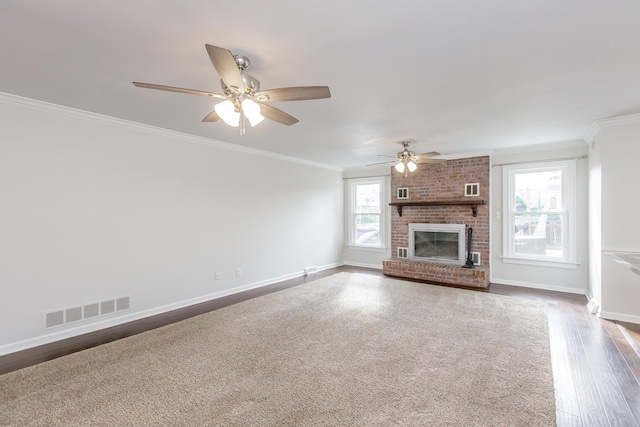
{"type": "Point", "coordinates": [242, 126]}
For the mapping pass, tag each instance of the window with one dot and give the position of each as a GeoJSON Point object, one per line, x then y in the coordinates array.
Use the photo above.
{"type": "Point", "coordinates": [366, 222]}
{"type": "Point", "coordinates": [540, 213]}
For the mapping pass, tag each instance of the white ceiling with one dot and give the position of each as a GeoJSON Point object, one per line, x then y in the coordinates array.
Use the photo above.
{"type": "Point", "coordinates": [452, 76]}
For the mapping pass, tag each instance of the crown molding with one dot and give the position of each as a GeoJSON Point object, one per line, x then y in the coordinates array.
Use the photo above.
{"type": "Point", "coordinates": [465, 155]}
{"type": "Point", "coordinates": [537, 148]}
{"type": "Point", "coordinates": [599, 124]}
{"type": "Point", "coordinates": [377, 170]}
{"type": "Point", "coordinates": [47, 107]}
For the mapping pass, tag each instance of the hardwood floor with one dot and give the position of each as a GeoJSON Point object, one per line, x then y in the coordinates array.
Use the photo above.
{"type": "Point", "coordinates": [596, 363]}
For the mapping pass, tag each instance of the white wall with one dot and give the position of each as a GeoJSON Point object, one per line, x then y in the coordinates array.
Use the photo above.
{"type": "Point", "coordinates": [619, 148]}
{"type": "Point", "coordinates": [542, 277]}
{"type": "Point", "coordinates": [94, 208]}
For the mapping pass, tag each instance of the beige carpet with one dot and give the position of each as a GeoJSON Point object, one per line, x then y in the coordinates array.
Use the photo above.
{"type": "Point", "coordinates": [349, 349]}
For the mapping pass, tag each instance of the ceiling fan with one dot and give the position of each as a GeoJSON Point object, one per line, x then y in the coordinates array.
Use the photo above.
{"type": "Point", "coordinates": [407, 160]}
{"type": "Point", "coordinates": [242, 96]}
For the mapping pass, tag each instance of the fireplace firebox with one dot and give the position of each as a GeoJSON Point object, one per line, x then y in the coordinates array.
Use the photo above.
{"type": "Point", "coordinates": [437, 243]}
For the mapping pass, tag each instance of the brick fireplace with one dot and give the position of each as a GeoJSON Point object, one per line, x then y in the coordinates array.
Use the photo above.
{"type": "Point", "coordinates": [442, 183]}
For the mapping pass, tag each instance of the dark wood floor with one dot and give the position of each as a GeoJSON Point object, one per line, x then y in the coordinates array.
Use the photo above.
{"type": "Point", "coordinates": [596, 366]}
{"type": "Point", "coordinates": [596, 363]}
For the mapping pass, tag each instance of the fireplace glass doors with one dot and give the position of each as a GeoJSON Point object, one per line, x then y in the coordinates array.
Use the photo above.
{"type": "Point", "coordinates": [438, 243]}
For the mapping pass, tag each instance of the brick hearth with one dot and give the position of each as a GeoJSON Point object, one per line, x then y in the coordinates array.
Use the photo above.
{"type": "Point", "coordinates": [477, 277]}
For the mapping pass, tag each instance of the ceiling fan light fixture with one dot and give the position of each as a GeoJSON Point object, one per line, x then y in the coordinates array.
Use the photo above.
{"type": "Point", "coordinates": [407, 160]}
{"type": "Point", "coordinates": [251, 111]}
{"type": "Point", "coordinates": [227, 112]}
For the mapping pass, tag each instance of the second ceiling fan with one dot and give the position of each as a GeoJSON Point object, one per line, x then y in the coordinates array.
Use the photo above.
{"type": "Point", "coordinates": [407, 160]}
{"type": "Point", "coordinates": [242, 98]}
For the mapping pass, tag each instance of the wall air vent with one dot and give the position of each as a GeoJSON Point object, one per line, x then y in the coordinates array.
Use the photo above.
{"type": "Point", "coordinates": [475, 257]}
{"type": "Point", "coordinates": [73, 314]}
{"type": "Point", "coordinates": [64, 316]}
{"type": "Point", "coordinates": [55, 318]}
{"type": "Point", "coordinates": [107, 307]}
{"type": "Point", "coordinates": [403, 193]}
{"type": "Point", "coordinates": [472, 189]}
{"type": "Point", "coordinates": [91, 310]}
{"type": "Point", "coordinates": [122, 303]}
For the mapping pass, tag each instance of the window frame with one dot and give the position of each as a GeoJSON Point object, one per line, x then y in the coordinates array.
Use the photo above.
{"type": "Point", "coordinates": [353, 184]}
{"type": "Point", "coordinates": [568, 212]}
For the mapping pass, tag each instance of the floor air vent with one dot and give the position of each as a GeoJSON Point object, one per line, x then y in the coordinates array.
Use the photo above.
{"type": "Point", "coordinates": [65, 316]}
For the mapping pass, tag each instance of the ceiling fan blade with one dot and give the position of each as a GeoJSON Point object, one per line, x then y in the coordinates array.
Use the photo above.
{"type": "Point", "coordinates": [178, 89]}
{"type": "Point", "coordinates": [301, 93]}
{"type": "Point", "coordinates": [211, 117]}
{"type": "Point", "coordinates": [277, 115]}
{"type": "Point", "coordinates": [226, 66]}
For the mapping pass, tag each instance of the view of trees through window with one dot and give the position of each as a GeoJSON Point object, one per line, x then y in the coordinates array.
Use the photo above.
{"type": "Point", "coordinates": [539, 213]}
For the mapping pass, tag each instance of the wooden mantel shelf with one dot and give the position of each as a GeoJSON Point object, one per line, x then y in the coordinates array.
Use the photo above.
{"type": "Point", "coordinates": [472, 203]}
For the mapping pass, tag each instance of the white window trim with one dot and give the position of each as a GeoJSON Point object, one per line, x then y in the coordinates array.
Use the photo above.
{"type": "Point", "coordinates": [569, 205]}
{"type": "Point", "coordinates": [351, 218]}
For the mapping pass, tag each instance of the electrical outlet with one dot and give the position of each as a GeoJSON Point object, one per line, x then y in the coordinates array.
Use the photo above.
{"type": "Point", "coordinates": [238, 272]}
{"type": "Point", "coordinates": [218, 275]}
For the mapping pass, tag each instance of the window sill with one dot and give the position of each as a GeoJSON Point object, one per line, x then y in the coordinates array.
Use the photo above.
{"type": "Point", "coordinates": [367, 248]}
{"type": "Point", "coordinates": [571, 265]}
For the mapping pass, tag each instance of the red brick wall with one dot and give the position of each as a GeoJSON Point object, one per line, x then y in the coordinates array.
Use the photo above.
{"type": "Point", "coordinates": [443, 181]}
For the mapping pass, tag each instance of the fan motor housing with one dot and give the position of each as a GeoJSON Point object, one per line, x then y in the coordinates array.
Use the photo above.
{"type": "Point", "coordinates": [251, 85]}
{"type": "Point", "coordinates": [242, 62]}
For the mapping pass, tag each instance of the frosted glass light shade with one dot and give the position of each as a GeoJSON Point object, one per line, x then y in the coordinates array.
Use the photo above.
{"type": "Point", "coordinates": [227, 112]}
{"type": "Point", "coordinates": [412, 166]}
{"type": "Point", "coordinates": [251, 111]}
{"type": "Point", "coordinates": [400, 167]}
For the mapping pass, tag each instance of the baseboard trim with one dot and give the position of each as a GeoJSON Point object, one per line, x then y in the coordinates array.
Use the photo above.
{"type": "Point", "coordinates": [541, 286]}
{"type": "Point", "coordinates": [329, 266]}
{"type": "Point", "coordinates": [621, 317]}
{"type": "Point", "coordinates": [139, 315]}
{"type": "Point", "coordinates": [363, 265]}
